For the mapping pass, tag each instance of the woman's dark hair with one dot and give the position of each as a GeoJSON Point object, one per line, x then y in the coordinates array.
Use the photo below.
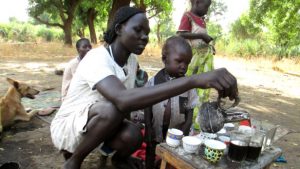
{"type": "Point", "coordinates": [174, 42]}
{"type": "Point", "coordinates": [121, 16]}
{"type": "Point", "coordinates": [78, 43]}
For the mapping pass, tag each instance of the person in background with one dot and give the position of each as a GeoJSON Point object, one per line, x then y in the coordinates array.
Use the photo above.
{"type": "Point", "coordinates": [193, 28]}
{"type": "Point", "coordinates": [83, 45]}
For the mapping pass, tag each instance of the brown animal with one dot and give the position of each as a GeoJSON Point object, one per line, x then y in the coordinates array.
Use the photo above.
{"type": "Point", "coordinates": [11, 108]}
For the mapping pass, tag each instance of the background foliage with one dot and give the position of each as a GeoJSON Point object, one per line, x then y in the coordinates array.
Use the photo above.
{"type": "Point", "coordinates": [269, 29]}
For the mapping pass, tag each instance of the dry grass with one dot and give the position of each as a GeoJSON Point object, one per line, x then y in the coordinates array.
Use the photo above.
{"type": "Point", "coordinates": [58, 52]}
{"type": "Point", "coordinates": [288, 66]}
{"type": "Point", "coordinates": [36, 51]}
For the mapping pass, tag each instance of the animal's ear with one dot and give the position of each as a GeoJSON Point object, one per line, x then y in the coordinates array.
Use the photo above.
{"type": "Point", "coordinates": [13, 82]}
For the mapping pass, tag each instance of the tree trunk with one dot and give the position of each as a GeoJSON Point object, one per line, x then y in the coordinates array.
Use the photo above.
{"type": "Point", "coordinates": [68, 32]}
{"type": "Point", "coordinates": [158, 33]}
{"type": "Point", "coordinates": [90, 20]}
{"type": "Point", "coordinates": [142, 5]}
{"type": "Point", "coordinates": [115, 6]}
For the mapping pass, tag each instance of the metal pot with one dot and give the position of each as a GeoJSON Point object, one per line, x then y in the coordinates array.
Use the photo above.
{"type": "Point", "coordinates": [213, 115]}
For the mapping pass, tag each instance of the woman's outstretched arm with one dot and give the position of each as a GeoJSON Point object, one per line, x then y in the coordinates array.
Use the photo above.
{"type": "Point", "coordinates": [127, 100]}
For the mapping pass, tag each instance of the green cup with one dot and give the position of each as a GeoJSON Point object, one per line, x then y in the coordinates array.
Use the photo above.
{"type": "Point", "coordinates": [214, 150]}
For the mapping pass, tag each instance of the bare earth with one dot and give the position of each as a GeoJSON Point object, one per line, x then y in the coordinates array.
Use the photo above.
{"type": "Point", "coordinates": [269, 95]}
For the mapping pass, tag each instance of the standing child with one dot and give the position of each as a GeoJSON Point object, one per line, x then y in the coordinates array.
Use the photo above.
{"type": "Point", "coordinates": [193, 28]}
{"type": "Point", "coordinates": [177, 111]}
{"type": "Point", "coordinates": [83, 45]}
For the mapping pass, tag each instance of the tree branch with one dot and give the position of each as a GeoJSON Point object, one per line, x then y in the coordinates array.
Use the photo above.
{"type": "Point", "coordinates": [48, 23]}
{"type": "Point", "coordinates": [156, 13]}
{"type": "Point", "coordinates": [60, 8]}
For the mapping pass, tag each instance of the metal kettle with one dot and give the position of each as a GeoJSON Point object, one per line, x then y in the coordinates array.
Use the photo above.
{"type": "Point", "coordinates": [213, 115]}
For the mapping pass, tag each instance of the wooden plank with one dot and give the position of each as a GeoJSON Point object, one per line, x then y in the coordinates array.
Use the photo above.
{"type": "Point", "coordinates": [163, 164]}
{"type": "Point", "coordinates": [172, 158]}
{"type": "Point", "coordinates": [179, 159]}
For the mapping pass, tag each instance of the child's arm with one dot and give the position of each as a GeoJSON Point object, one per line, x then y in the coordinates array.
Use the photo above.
{"type": "Point", "coordinates": [188, 35]}
{"type": "Point", "coordinates": [188, 122]}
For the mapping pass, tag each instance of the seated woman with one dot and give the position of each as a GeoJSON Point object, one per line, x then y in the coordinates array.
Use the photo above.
{"type": "Point", "coordinates": [98, 100]}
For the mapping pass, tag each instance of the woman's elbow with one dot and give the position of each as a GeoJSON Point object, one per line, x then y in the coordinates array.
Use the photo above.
{"type": "Point", "coordinates": [123, 105]}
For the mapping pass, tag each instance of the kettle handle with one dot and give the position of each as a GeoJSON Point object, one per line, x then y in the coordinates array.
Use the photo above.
{"type": "Point", "coordinates": [235, 103]}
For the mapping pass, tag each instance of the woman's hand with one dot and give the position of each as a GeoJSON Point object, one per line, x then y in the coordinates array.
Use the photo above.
{"type": "Point", "coordinates": [220, 79]}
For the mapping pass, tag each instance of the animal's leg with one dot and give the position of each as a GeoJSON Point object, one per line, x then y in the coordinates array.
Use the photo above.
{"type": "Point", "coordinates": [1, 127]}
{"type": "Point", "coordinates": [32, 113]}
{"type": "Point", "coordinates": [26, 116]}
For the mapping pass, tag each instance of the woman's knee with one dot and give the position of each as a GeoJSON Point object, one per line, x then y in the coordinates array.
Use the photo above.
{"type": "Point", "coordinates": [128, 140]}
{"type": "Point", "coordinates": [131, 134]}
{"type": "Point", "coordinates": [105, 112]}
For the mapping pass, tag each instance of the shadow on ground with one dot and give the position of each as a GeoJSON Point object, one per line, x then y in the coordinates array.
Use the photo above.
{"type": "Point", "coordinates": [29, 143]}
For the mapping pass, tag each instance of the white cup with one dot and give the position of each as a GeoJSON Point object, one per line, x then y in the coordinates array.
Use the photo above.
{"type": "Point", "coordinates": [174, 137]}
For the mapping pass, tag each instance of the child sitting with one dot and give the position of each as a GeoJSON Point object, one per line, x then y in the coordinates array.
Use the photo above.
{"type": "Point", "coordinates": [177, 111]}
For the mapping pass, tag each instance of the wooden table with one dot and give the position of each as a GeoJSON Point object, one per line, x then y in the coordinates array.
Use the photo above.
{"type": "Point", "coordinates": [178, 158]}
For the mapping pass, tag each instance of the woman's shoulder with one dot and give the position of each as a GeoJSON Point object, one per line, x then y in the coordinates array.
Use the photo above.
{"type": "Point", "coordinates": [94, 58]}
{"type": "Point", "coordinates": [99, 53]}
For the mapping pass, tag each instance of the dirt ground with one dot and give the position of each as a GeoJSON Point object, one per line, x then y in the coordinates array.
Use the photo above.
{"type": "Point", "coordinates": [269, 95]}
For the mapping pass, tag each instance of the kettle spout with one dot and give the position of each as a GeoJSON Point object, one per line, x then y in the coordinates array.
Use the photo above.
{"type": "Point", "coordinates": [236, 114]}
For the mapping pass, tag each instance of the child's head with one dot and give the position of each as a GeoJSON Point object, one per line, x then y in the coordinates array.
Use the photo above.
{"type": "Point", "coordinates": [176, 55]}
{"type": "Point", "coordinates": [200, 7]}
{"type": "Point", "coordinates": [83, 45]}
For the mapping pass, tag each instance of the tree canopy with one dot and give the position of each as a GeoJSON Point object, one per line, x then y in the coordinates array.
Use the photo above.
{"type": "Point", "coordinates": [60, 12]}
{"type": "Point", "coordinates": [281, 18]}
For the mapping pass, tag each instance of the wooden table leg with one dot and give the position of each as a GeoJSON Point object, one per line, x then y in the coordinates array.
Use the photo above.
{"type": "Point", "coordinates": [163, 164]}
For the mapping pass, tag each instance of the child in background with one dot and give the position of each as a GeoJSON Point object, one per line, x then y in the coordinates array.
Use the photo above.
{"type": "Point", "coordinates": [177, 111]}
{"type": "Point", "coordinates": [193, 28]}
{"type": "Point", "coordinates": [83, 45]}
